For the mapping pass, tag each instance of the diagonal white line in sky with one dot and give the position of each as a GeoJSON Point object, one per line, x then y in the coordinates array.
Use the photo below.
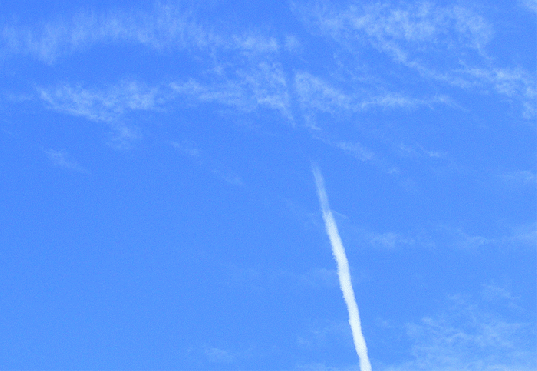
{"type": "Point", "coordinates": [343, 272]}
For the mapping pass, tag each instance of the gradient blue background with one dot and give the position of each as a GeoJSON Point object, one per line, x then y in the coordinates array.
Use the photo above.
{"type": "Point", "coordinates": [158, 209]}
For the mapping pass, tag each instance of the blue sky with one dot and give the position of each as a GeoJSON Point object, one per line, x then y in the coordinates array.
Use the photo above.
{"type": "Point", "coordinates": [158, 207]}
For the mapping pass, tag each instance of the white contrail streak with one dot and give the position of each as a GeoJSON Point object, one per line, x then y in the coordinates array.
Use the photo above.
{"type": "Point", "coordinates": [343, 272]}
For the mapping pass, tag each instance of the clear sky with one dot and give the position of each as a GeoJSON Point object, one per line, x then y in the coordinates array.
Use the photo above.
{"type": "Point", "coordinates": [158, 207]}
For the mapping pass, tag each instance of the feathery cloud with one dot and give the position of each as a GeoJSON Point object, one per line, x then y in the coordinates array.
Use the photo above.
{"type": "Point", "coordinates": [446, 44]}
{"type": "Point", "coordinates": [470, 336]}
{"type": "Point", "coordinates": [163, 27]}
{"type": "Point", "coordinates": [530, 5]}
{"type": "Point", "coordinates": [101, 105]}
{"type": "Point", "coordinates": [64, 160]}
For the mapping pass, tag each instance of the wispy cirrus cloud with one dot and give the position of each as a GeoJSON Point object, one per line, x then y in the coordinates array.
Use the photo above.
{"type": "Point", "coordinates": [64, 160]}
{"type": "Point", "coordinates": [417, 150]}
{"type": "Point", "coordinates": [186, 147]}
{"type": "Point", "coordinates": [492, 292]}
{"type": "Point", "coordinates": [315, 93]}
{"type": "Point", "coordinates": [477, 333]}
{"type": "Point", "coordinates": [60, 37]}
{"type": "Point", "coordinates": [244, 71]}
{"type": "Point", "coordinates": [529, 4]}
{"type": "Point", "coordinates": [262, 85]}
{"type": "Point", "coordinates": [218, 355]}
{"type": "Point", "coordinates": [520, 178]}
{"type": "Point", "coordinates": [161, 27]}
{"type": "Point", "coordinates": [101, 104]}
{"type": "Point", "coordinates": [225, 173]}
{"type": "Point", "coordinates": [523, 236]}
{"type": "Point", "coordinates": [108, 105]}
{"type": "Point", "coordinates": [404, 31]}
{"type": "Point", "coordinates": [470, 335]}
{"type": "Point", "coordinates": [519, 236]}
{"type": "Point", "coordinates": [511, 82]}
{"type": "Point", "coordinates": [446, 44]}
{"type": "Point", "coordinates": [355, 149]}
{"type": "Point", "coordinates": [444, 236]}
{"type": "Point", "coordinates": [360, 235]}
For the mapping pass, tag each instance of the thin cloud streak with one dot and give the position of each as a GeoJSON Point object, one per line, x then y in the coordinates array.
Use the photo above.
{"type": "Point", "coordinates": [419, 36]}
{"type": "Point", "coordinates": [104, 105]}
{"type": "Point", "coordinates": [343, 272]}
{"type": "Point", "coordinates": [163, 27]}
{"type": "Point", "coordinates": [63, 159]}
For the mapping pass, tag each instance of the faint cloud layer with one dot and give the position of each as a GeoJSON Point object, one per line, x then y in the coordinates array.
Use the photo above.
{"type": "Point", "coordinates": [189, 149]}
{"type": "Point", "coordinates": [247, 75]}
{"type": "Point", "coordinates": [101, 105]}
{"type": "Point", "coordinates": [261, 86]}
{"type": "Point", "coordinates": [105, 105]}
{"type": "Point", "coordinates": [522, 236]}
{"type": "Point", "coordinates": [245, 71]}
{"type": "Point", "coordinates": [217, 355]}
{"type": "Point", "coordinates": [469, 336]}
{"type": "Point", "coordinates": [316, 94]}
{"type": "Point", "coordinates": [419, 36]}
{"type": "Point", "coordinates": [63, 160]}
{"type": "Point", "coordinates": [530, 4]}
{"type": "Point", "coordinates": [163, 27]}
{"type": "Point", "coordinates": [403, 31]}
{"type": "Point", "coordinates": [520, 178]}
{"type": "Point", "coordinates": [248, 78]}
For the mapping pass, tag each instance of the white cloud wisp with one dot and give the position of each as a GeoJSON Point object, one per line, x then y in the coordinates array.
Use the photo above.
{"type": "Point", "coordinates": [343, 272]}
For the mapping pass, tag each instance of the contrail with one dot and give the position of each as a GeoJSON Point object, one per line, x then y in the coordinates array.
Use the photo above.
{"type": "Point", "coordinates": [343, 272]}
